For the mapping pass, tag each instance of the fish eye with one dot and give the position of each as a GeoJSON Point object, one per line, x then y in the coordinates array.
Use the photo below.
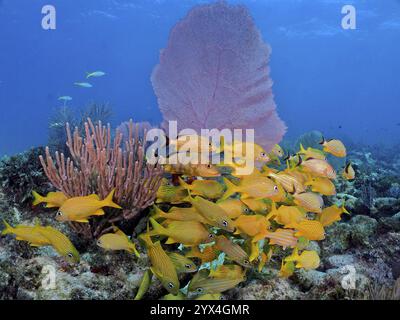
{"type": "Point", "coordinates": [98, 242]}
{"type": "Point", "coordinates": [209, 166]}
{"type": "Point", "coordinates": [246, 262]}
{"type": "Point", "coordinates": [70, 255]}
{"type": "Point", "coordinates": [211, 235]}
{"type": "Point", "coordinates": [246, 210]}
{"type": "Point", "coordinates": [224, 223]}
{"type": "Point", "coordinates": [276, 188]}
{"type": "Point", "coordinates": [188, 266]}
{"type": "Point", "coordinates": [59, 213]}
{"type": "Point", "coordinates": [170, 285]}
{"type": "Point", "coordinates": [263, 154]}
{"type": "Point", "coordinates": [199, 290]}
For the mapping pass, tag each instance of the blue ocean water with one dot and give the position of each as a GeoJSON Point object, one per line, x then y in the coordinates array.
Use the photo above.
{"type": "Point", "coordinates": [344, 83]}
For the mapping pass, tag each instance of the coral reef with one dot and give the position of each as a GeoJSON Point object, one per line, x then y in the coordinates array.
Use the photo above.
{"type": "Point", "coordinates": [100, 164]}
{"type": "Point", "coordinates": [20, 175]}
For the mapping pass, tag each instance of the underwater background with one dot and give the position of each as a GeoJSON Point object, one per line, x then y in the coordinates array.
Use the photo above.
{"type": "Point", "coordinates": [328, 81]}
{"type": "Point", "coordinates": [344, 82]}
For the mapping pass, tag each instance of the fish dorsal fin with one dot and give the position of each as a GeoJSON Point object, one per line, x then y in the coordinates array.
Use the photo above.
{"type": "Point", "coordinates": [93, 196]}
{"type": "Point", "coordinates": [121, 233]}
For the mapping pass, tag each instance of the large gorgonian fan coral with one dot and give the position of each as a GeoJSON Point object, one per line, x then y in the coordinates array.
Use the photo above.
{"type": "Point", "coordinates": [100, 164]}
{"type": "Point", "coordinates": [214, 74]}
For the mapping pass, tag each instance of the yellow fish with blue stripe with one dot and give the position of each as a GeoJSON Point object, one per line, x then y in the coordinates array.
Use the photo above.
{"type": "Point", "coordinates": [161, 265]}
{"type": "Point", "coordinates": [38, 236]}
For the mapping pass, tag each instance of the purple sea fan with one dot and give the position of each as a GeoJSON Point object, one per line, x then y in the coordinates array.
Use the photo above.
{"type": "Point", "coordinates": [214, 74]}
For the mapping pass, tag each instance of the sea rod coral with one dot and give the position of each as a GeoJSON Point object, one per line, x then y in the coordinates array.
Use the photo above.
{"type": "Point", "coordinates": [100, 164]}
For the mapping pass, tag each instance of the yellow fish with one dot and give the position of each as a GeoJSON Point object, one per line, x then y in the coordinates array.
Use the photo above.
{"type": "Point", "coordinates": [322, 185]}
{"type": "Point", "coordinates": [210, 296]}
{"type": "Point", "coordinates": [31, 234]}
{"type": "Point", "coordinates": [38, 236]}
{"type": "Point", "coordinates": [334, 147]}
{"type": "Point", "coordinates": [188, 233]}
{"type": "Point", "coordinates": [312, 153]}
{"type": "Point", "coordinates": [208, 254]}
{"type": "Point", "coordinates": [254, 226]}
{"type": "Point", "coordinates": [278, 151]}
{"type": "Point", "coordinates": [348, 172]}
{"type": "Point", "coordinates": [238, 150]}
{"type": "Point", "coordinates": [258, 206]}
{"type": "Point", "coordinates": [61, 244]}
{"type": "Point", "coordinates": [331, 214]}
{"type": "Point", "coordinates": [170, 296]}
{"type": "Point", "coordinates": [288, 182]}
{"type": "Point", "coordinates": [310, 229]}
{"type": "Point", "coordinates": [117, 241]}
{"type": "Point", "coordinates": [227, 271]}
{"type": "Point", "coordinates": [181, 263]}
{"type": "Point", "coordinates": [52, 200]}
{"type": "Point", "coordinates": [254, 251]}
{"type": "Point", "coordinates": [180, 214]}
{"type": "Point", "coordinates": [209, 189]}
{"type": "Point", "coordinates": [288, 215]}
{"type": "Point", "coordinates": [144, 285]}
{"type": "Point", "coordinates": [213, 213]}
{"type": "Point", "coordinates": [81, 208]}
{"type": "Point", "coordinates": [233, 251]}
{"type": "Point", "coordinates": [171, 194]}
{"type": "Point", "coordinates": [264, 258]}
{"type": "Point", "coordinates": [161, 265]}
{"type": "Point", "coordinates": [287, 269]}
{"type": "Point", "coordinates": [202, 284]}
{"type": "Point", "coordinates": [310, 201]}
{"type": "Point", "coordinates": [318, 167]}
{"type": "Point", "coordinates": [257, 187]}
{"type": "Point", "coordinates": [282, 237]}
{"type": "Point", "coordinates": [307, 259]}
{"type": "Point", "coordinates": [233, 207]}
{"type": "Point", "coordinates": [193, 170]}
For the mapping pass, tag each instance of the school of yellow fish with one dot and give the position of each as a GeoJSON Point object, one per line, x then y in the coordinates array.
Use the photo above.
{"type": "Point", "coordinates": [214, 225]}
{"type": "Point", "coordinates": [220, 226]}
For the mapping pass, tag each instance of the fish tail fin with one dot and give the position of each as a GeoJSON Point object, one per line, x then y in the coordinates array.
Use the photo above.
{"type": "Point", "coordinates": [273, 213]}
{"type": "Point", "coordinates": [183, 183]}
{"type": "Point", "coordinates": [158, 228]}
{"type": "Point", "coordinates": [159, 213]}
{"type": "Point", "coordinates": [37, 198]}
{"type": "Point", "coordinates": [302, 150]}
{"type": "Point", "coordinates": [108, 201]}
{"type": "Point", "coordinates": [344, 208]}
{"type": "Point", "coordinates": [9, 229]}
{"type": "Point", "coordinates": [146, 238]}
{"type": "Point", "coordinates": [132, 249]}
{"type": "Point", "coordinates": [230, 189]}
